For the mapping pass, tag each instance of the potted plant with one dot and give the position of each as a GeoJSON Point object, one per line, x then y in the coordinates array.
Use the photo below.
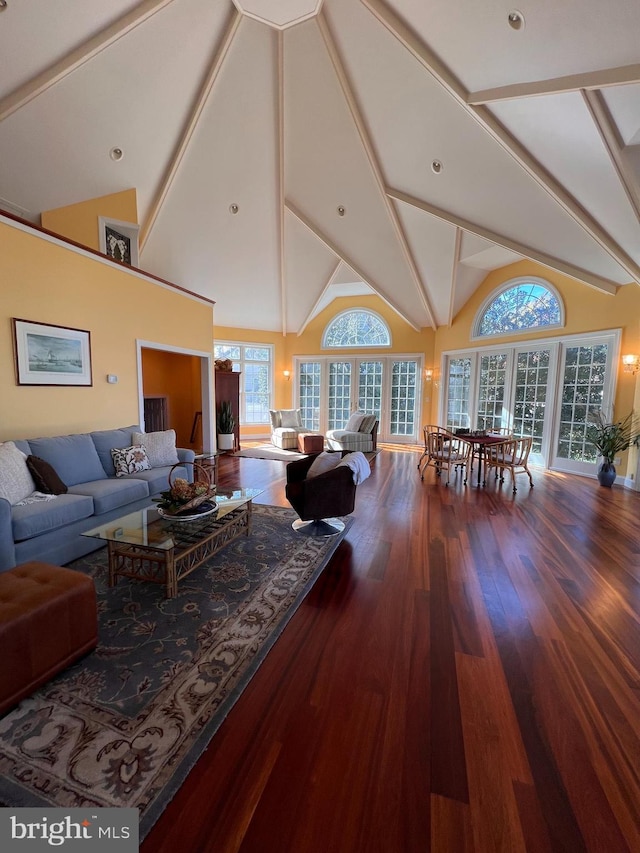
{"type": "Point", "coordinates": [609, 439]}
{"type": "Point", "coordinates": [225, 425]}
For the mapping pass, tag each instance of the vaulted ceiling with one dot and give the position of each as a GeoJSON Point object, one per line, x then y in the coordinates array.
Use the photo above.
{"type": "Point", "coordinates": [286, 151]}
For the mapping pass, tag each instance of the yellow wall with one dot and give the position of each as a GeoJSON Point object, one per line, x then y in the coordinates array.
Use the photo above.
{"type": "Point", "coordinates": [79, 222]}
{"type": "Point", "coordinates": [47, 282]}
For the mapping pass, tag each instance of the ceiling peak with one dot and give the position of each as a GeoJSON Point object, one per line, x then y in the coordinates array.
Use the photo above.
{"type": "Point", "coordinates": [279, 14]}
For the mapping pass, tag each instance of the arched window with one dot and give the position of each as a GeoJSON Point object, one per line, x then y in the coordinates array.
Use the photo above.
{"type": "Point", "coordinates": [357, 328]}
{"type": "Point", "coordinates": [520, 304]}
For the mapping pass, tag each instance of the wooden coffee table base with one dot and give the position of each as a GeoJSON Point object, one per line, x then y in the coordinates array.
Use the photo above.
{"type": "Point", "coordinates": [168, 566]}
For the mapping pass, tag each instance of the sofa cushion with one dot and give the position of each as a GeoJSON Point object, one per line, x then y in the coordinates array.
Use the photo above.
{"type": "Point", "coordinates": [110, 493]}
{"type": "Point", "coordinates": [367, 424]}
{"type": "Point", "coordinates": [161, 446]}
{"type": "Point", "coordinates": [323, 462]}
{"type": "Point", "coordinates": [74, 457]}
{"type": "Point", "coordinates": [355, 421]}
{"type": "Point", "coordinates": [15, 480]}
{"type": "Point", "coordinates": [129, 460]}
{"type": "Point", "coordinates": [158, 478]}
{"type": "Point", "coordinates": [45, 476]}
{"type": "Point", "coordinates": [290, 418]}
{"type": "Point", "coordinates": [342, 439]}
{"type": "Point", "coordinates": [37, 518]}
{"type": "Point", "coordinates": [106, 439]}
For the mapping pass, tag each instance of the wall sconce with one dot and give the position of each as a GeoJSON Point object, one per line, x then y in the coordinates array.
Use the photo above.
{"type": "Point", "coordinates": [631, 363]}
{"type": "Point", "coordinates": [286, 374]}
{"type": "Point", "coordinates": [428, 374]}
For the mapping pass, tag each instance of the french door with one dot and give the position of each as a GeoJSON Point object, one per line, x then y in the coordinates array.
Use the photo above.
{"type": "Point", "coordinates": [329, 390]}
{"type": "Point", "coordinates": [544, 390]}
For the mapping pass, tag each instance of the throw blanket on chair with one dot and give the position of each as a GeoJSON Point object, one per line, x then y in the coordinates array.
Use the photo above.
{"type": "Point", "coordinates": [359, 464]}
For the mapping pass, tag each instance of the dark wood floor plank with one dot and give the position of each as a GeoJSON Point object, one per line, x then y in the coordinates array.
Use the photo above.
{"type": "Point", "coordinates": [463, 677]}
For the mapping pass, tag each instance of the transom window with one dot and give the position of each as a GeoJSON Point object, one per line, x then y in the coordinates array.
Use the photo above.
{"type": "Point", "coordinates": [520, 304]}
{"type": "Point", "coordinates": [357, 328]}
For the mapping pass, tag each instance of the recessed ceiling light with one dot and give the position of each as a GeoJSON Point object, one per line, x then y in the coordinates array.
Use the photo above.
{"type": "Point", "coordinates": [516, 20]}
{"type": "Point", "coordinates": [116, 154]}
{"type": "Point", "coordinates": [436, 167]}
{"type": "Point", "coordinates": [233, 208]}
{"type": "Point", "coordinates": [341, 211]}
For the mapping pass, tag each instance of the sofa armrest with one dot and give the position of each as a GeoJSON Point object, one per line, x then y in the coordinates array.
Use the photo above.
{"type": "Point", "coordinates": [185, 454]}
{"type": "Point", "coordinates": [7, 547]}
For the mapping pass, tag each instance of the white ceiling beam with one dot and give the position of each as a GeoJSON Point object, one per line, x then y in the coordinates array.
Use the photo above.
{"type": "Point", "coordinates": [374, 163]}
{"type": "Point", "coordinates": [431, 63]}
{"type": "Point", "coordinates": [588, 81]}
{"type": "Point", "coordinates": [579, 274]}
{"type": "Point", "coordinates": [79, 55]}
{"type": "Point", "coordinates": [614, 145]}
{"type": "Point", "coordinates": [189, 128]}
{"type": "Point", "coordinates": [454, 274]}
{"type": "Point", "coordinates": [340, 253]}
{"type": "Point", "coordinates": [281, 195]}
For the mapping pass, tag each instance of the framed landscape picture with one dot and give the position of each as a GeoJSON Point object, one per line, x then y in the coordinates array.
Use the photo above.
{"type": "Point", "coordinates": [51, 355]}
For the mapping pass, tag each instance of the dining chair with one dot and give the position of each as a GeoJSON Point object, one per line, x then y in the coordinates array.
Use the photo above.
{"type": "Point", "coordinates": [475, 452]}
{"type": "Point", "coordinates": [444, 452]}
{"type": "Point", "coordinates": [511, 455]}
{"type": "Point", "coordinates": [426, 431]}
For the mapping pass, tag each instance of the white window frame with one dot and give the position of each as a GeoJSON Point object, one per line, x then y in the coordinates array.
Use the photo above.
{"type": "Point", "coordinates": [333, 348]}
{"type": "Point", "coordinates": [509, 285]}
{"type": "Point", "coordinates": [241, 362]}
{"type": "Point", "coordinates": [556, 345]}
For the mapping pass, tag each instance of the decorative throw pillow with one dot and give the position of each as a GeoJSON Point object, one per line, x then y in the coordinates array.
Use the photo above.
{"type": "Point", "coordinates": [290, 418]}
{"type": "Point", "coordinates": [355, 421]}
{"type": "Point", "coordinates": [15, 480]}
{"type": "Point", "coordinates": [160, 447]}
{"type": "Point", "coordinates": [367, 424]}
{"type": "Point", "coordinates": [130, 460]}
{"type": "Point", "coordinates": [322, 463]}
{"type": "Point", "coordinates": [45, 476]}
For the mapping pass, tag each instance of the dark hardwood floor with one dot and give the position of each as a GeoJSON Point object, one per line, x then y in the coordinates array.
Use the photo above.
{"type": "Point", "coordinates": [464, 676]}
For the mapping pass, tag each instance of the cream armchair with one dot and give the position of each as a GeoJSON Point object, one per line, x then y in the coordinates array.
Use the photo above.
{"type": "Point", "coordinates": [360, 433]}
{"type": "Point", "coordinates": [285, 426]}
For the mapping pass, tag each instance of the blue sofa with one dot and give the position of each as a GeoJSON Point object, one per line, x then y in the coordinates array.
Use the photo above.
{"type": "Point", "coordinates": [50, 530]}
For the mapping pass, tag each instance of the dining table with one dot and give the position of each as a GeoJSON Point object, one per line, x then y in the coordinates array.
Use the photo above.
{"type": "Point", "coordinates": [479, 441]}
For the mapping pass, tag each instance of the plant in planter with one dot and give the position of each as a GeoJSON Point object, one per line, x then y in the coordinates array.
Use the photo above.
{"type": "Point", "coordinates": [609, 439]}
{"type": "Point", "coordinates": [225, 426]}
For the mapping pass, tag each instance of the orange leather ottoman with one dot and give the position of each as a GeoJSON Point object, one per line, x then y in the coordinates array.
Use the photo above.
{"type": "Point", "coordinates": [310, 442]}
{"type": "Point", "coordinates": [48, 619]}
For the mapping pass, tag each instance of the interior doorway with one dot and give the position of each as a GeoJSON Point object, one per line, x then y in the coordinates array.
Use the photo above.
{"type": "Point", "coordinates": [173, 385]}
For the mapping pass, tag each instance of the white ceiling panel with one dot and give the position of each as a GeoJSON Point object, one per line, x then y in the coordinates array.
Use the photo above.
{"type": "Point", "coordinates": [51, 30]}
{"type": "Point", "coordinates": [565, 37]}
{"type": "Point", "coordinates": [559, 131]}
{"type": "Point", "coordinates": [232, 160]}
{"type": "Point", "coordinates": [372, 91]}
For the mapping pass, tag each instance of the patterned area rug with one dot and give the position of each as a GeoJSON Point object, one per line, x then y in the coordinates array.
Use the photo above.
{"type": "Point", "coordinates": [124, 726]}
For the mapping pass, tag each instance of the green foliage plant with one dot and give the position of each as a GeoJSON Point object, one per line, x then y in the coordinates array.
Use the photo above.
{"type": "Point", "coordinates": [609, 438]}
{"type": "Point", "coordinates": [225, 420]}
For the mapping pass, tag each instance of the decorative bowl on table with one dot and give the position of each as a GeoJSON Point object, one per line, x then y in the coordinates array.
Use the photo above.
{"type": "Point", "coordinates": [184, 501]}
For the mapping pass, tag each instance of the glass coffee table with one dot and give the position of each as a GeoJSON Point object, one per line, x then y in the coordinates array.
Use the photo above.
{"type": "Point", "coordinates": [147, 546]}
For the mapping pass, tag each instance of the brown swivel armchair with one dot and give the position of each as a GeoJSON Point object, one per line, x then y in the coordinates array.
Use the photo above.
{"type": "Point", "coordinates": [318, 500]}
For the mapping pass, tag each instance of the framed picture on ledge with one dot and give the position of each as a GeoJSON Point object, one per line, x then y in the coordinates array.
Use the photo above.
{"type": "Point", "coordinates": [119, 240]}
{"type": "Point", "coordinates": [51, 355]}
